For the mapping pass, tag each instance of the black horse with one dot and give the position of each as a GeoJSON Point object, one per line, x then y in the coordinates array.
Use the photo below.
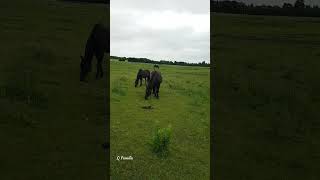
{"type": "Point", "coordinates": [153, 84]}
{"type": "Point", "coordinates": [142, 74]}
{"type": "Point", "coordinates": [97, 44]}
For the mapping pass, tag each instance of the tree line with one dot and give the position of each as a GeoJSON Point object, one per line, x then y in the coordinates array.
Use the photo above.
{"type": "Point", "coordinates": [91, 1]}
{"type": "Point", "coordinates": [299, 8]}
{"type": "Point", "coordinates": [146, 60]}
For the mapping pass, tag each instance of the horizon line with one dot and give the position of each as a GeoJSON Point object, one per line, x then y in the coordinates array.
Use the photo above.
{"type": "Point", "coordinates": [208, 62]}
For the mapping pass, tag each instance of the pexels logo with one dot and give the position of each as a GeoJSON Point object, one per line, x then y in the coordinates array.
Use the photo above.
{"type": "Point", "coordinates": [120, 158]}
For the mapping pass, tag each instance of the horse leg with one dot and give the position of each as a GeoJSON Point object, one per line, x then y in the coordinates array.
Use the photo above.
{"type": "Point", "coordinates": [98, 69]}
{"type": "Point", "coordinates": [141, 82]}
{"type": "Point", "coordinates": [158, 88]}
{"type": "Point", "coordinates": [147, 92]}
{"type": "Point", "coordinates": [101, 71]}
{"type": "Point", "coordinates": [89, 68]}
{"type": "Point", "coordinates": [154, 90]}
{"type": "Point", "coordinates": [99, 66]}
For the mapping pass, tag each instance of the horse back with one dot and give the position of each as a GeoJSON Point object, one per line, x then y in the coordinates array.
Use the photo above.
{"type": "Point", "coordinates": [156, 77]}
{"type": "Point", "coordinates": [100, 37]}
{"type": "Point", "coordinates": [147, 74]}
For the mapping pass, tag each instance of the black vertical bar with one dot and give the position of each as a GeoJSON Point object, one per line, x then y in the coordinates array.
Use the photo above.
{"type": "Point", "coordinates": [107, 96]}
{"type": "Point", "coordinates": [212, 95]}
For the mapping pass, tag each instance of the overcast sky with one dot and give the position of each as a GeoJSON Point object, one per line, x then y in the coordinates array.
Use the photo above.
{"type": "Point", "coordinates": [177, 30]}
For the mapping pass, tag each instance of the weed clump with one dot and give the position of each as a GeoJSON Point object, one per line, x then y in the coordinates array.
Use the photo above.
{"type": "Point", "coordinates": [120, 87]}
{"type": "Point", "coordinates": [161, 140]}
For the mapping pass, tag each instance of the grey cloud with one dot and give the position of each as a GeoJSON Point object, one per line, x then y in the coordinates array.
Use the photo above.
{"type": "Point", "coordinates": [198, 6]}
{"type": "Point", "coordinates": [181, 44]}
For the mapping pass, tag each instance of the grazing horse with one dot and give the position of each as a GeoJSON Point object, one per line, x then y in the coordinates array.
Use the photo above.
{"type": "Point", "coordinates": [97, 44]}
{"type": "Point", "coordinates": [140, 75]}
{"type": "Point", "coordinates": [153, 84]}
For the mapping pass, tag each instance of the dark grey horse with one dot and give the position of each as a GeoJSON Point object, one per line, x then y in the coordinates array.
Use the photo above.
{"type": "Point", "coordinates": [142, 74]}
{"type": "Point", "coordinates": [153, 84]}
{"type": "Point", "coordinates": [97, 44]}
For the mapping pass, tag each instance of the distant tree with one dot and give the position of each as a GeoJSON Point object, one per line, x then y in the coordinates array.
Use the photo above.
{"type": "Point", "coordinates": [299, 8]}
{"type": "Point", "coordinates": [287, 5]}
{"type": "Point", "coordinates": [299, 4]}
{"type": "Point", "coordinates": [91, 1]}
{"type": "Point", "coordinates": [122, 59]}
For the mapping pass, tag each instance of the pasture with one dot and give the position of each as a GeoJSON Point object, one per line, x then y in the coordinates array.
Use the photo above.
{"type": "Point", "coordinates": [267, 92]}
{"type": "Point", "coordinates": [183, 105]}
{"type": "Point", "coordinates": [51, 125]}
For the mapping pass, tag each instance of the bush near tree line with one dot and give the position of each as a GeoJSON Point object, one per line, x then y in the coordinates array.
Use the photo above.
{"type": "Point", "coordinates": [299, 8]}
{"type": "Point", "coordinates": [145, 60]}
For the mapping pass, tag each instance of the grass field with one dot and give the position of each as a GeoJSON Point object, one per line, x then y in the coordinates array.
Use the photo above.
{"type": "Point", "coordinates": [267, 97]}
{"type": "Point", "coordinates": [51, 125]}
{"type": "Point", "coordinates": [183, 105]}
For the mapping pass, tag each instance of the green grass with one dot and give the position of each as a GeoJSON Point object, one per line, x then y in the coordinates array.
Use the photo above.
{"type": "Point", "coordinates": [267, 94]}
{"type": "Point", "coordinates": [51, 125]}
{"type": "Point", "coordinates": [183, 106]}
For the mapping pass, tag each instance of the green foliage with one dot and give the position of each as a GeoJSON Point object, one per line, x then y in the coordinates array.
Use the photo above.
{"type": "Point", "coordinates": [119, 86]}
{"type": "Point", "coordinates": [161, 140]}
{"type": "Point", "coordinates": [21, 87]}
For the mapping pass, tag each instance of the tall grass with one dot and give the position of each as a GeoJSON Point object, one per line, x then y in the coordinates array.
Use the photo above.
{"type": "Point", "coordinates": [161, 141]}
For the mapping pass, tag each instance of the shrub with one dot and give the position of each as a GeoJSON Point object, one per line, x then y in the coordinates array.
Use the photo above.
{"type": "Point", "coordinates": [161, 140]}
{"type": "Point", "coordinates": [21, 87]}
{"type": "Point", "coordinates": [119, 86]}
